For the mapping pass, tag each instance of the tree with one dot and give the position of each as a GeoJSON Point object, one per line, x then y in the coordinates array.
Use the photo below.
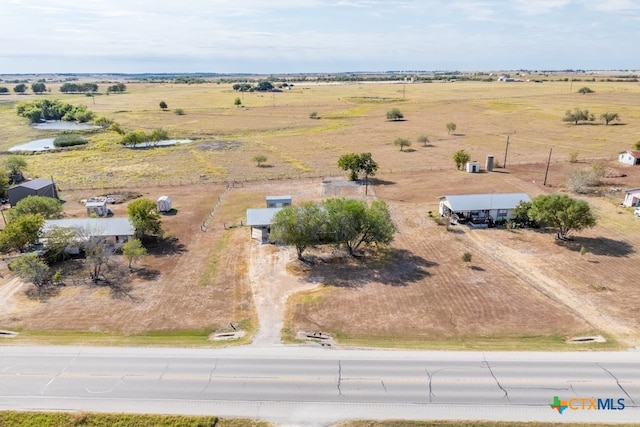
{"type": "Point", "coordinates": [357, 163]}
{"type": "Point", "coordinates": [145, 217]}
{"type": "Point", "coordinates": [4, 89]}
{"type": "Point", "coordinates": [163, 106]}
{"type": "Point", "coordinates": [38, 87]}
{"type": "Point", "coordinates": [577, 115]}
{"type": "Point", "coordinates": [637, 145]}
{"type": "Point", "coordinates": [4, 182]}
{"type": "Point", "coordinates": [461, 158]}
{"type": "Point", "coordinates": [562, 212]}
{"type": "Point", "coordinates": [264, 86]}
{"type": "Point", "coordinates": [47, 207]}
{"type": "Point", "coordinates": [58, 239]}
{"type": "Point", "coordinates": [581, 181]}
{"type": "Point", "coordinates": [521, 215]}
{"type": "Point", "coordinates": [259, 159]}
{"type": "Point", "coordinates": [608, 117]}
{"type": "Point", "coordinates": [351, 223]}
{"type": "Point", "coordinates": [451, 127]}
{"type": "Point", "coordinates": [466, 257]}
{"type": "Point", "coordinates": [300, 226]}
{"type": "Point", "coordinates": [20, 232]}
{"type": "Point", "coordinates": [584, 90]}
{"type": "Point", "coordinates": [15, 165]}
{"type": "Point", "coordinates": [402, 142]}
{"type": "Point", "coordinates": [115, 127]}
{"type": "Point", "coordinates": [424, 140]}
{"type": "Point", "coordinates": [314, 115]}
{"type": "Point", "coordinates": [157, 135]}
{"type": "Point", "coordinates": [394, 114]}
{"type": "Point", "coordinates": [98, 253]}
{"type": "Point", "coordinates": [237, 102]}
{"type": "Point", "coordinates": [133, 250]}
{"type": "Point", "coordinates": [32, 268]}
{"type": "Point", "coordinates": [117, 88]}
{"type": "Point", "coordinates": [133, 138]}
{"type": "Point", "coordinates": [20, 88]}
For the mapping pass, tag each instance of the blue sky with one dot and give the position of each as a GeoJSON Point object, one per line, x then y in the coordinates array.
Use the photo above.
{"type": "Point", "coordinates": [325, 36]}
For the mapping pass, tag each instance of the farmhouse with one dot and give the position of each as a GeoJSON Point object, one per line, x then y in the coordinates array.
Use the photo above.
{"type": "Point", "coordinates": [115, 232]}
{"type": "Point", "coordinates": [631, 198]}
{"type": "Point", "coordinates": [481, 209]}
{"type": "Point", "coordinates": [35, 187]}
{"type": "Point", "coordinates": [629, 157]}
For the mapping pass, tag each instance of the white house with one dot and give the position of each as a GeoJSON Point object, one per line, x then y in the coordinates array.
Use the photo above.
{"type": "Point", "coordinates": [629, 157]}
{"type": "Point", "coordinates": [115, 232]}
{"type": "Point", "coordinates": [631, 198]}
{"type": "Point", "coordinates": [481, 209]}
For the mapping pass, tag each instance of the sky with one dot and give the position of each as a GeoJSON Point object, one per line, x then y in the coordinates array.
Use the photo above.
{"type": "Point", "coordinates": [316, 36]}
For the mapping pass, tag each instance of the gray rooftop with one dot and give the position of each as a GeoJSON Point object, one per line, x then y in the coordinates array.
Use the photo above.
{"type": "Point", "coordinates": [94, 226]}
{"type": "Point", "coordinates": [478, 202]}
{"type": "Point", "coordinates": [261, 217]}
{"type": "Point", "coordinates": [270, 198]}
{"type": "Point", "coordinates": [36, 184]}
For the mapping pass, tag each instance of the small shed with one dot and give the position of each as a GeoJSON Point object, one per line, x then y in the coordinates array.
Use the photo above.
{"type": "Point", "coordinates": [472, 167]}
{"type": "Point", "coordinates": [164, 204]}
{"type": "Point", "coordinates": [278, 201]}
{"type": "Point", "coordinates": [35, 187]}
{"type": "Point", "coordinates": [98, 208]}
{"type": "Point", "coordinates": [260, 222]}
{"type": "Point", "coordinates": [629, 157]}
{"type": "Point", "coordinates": [631, 198]}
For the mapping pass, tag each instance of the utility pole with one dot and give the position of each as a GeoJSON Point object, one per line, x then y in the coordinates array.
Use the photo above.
{"type": "Point", "coordinates": [504, 165]}
{"type": "Point", "coordinates": [547, 171]}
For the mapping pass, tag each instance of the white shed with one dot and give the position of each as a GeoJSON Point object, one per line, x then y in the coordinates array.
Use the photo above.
{"type": "Point", "coordinates": [472, 167]}
{"type": "Point", "coordinates": [98, 208]}
{"type": "Point", "coordinates": [630, 157]}
{"type": "Point", "coordinates": [164, 204]}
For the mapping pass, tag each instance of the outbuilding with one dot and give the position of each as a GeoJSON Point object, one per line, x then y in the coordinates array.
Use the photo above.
{"type": "Point", "coordinates": [98, 208]}
{"type": "Point", "coordinates": [481, 210]}
{"type": "Point", "coordinates": [260, 221]}
{"type": "Point", "coordinates": [278, 201]}
{"type": "Point", "coordinates": [629, 157]}
{"type": "Point", "coordinates": [34, 187]}
{"type": "Point", "coordinates": [164, 204]}
{"type": "Point", "coordinates": [631, 198]}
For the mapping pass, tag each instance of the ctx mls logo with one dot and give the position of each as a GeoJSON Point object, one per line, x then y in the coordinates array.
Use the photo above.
{"type": "Point", "coordinates": [587, 404]}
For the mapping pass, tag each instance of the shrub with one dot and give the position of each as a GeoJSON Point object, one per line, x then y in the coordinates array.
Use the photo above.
{"type": "Point", "coordinates": [179, 112]}
{"type": "Point", "coordinates": [69, 141]}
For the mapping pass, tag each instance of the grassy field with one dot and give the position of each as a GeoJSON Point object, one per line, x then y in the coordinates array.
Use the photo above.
{"type": "Point", "coordinates": [65, 419]}
{"type": "Point", "coordinates": [202, 286]}
{"type": "Point", "coordinates": [352, 118]}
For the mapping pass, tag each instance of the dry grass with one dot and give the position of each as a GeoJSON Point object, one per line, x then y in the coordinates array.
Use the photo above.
{"type": "Point", "coordinates": [421, 291]}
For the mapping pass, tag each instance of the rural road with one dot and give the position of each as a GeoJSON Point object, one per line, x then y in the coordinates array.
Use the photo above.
{"type": "Point", "coordinates": [310, 386]}
{"type": "Point", "coordinates": [6, 292]}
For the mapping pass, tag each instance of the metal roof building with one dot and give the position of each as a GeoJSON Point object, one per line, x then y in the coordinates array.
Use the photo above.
{"type": "Point", "coordinates": [35, 187]}
{"type": "Point", "coordinates": [481, 209]}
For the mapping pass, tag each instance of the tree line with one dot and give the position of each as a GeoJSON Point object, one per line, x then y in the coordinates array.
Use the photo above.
{"type": "Point", "coordinates": [45, 109]}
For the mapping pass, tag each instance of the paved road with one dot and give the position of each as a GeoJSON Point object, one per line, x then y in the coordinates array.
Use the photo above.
{"type": "Point", "coordinates": [313, 386]}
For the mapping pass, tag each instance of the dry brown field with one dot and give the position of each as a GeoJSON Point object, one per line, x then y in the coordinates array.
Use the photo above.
{"type": "Point", "coordinates": [521, 290]}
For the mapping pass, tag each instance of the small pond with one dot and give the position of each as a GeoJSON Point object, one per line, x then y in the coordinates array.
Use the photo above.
{"type": "Point", "coordinates": [47, 144]}
{"type": "Point", "coordinates": [164, 143]}
{"type": "Point", "coordinates": [62, 125]}
{"type": "Point", "coordinates": [36, 145]}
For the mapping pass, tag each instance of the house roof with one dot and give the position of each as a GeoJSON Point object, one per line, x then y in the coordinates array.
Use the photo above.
{"type": "Point", "coordinates": [489, 201]}
{"type": "Point", "coordinates": [633, 153]}
{"type": "Point", "coordinates": [94, 226]}
{"type": "Point", "coordinates": [274, 198]}
{"type": "Point", "coordinates": [35, 184]}
{"type": "Point", "coordinates": [632, 190]}
{"type": "Point", "coordinates": [261, 217]}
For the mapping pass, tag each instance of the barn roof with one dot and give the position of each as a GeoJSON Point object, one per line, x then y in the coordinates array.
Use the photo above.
{"type": "Point", "coordinates": [261, 217]}
{"type": "Point", "coordinates": [489, 201]}
{"type": "Point", "coordinates": [94, 226]}
{"type": "Point", "coordinates": [36, 184]}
